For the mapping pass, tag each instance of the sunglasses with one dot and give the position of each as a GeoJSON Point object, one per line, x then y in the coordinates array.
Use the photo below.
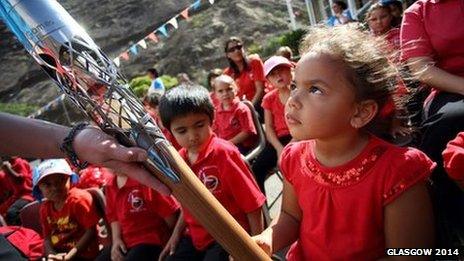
{"type": "Point", "coordinates": [238, 47]}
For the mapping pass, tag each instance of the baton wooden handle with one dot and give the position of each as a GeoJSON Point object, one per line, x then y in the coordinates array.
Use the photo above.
{"type": "Point", "coordinates": [191, 193]}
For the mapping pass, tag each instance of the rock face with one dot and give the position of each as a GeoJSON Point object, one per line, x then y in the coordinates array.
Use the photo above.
{"type": "Point", "coordinates": [195, 47]}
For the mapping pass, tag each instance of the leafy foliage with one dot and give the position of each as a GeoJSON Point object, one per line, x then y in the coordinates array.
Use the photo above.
{"type": "Point", "coordinates": [22, 109]}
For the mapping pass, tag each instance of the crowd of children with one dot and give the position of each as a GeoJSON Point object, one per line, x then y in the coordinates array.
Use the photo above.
{"type": "Point", "coordinates": [330, 121]}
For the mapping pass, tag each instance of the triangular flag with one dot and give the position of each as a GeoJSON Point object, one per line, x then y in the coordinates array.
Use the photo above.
{"type": "Point", "coordinates": [153, 37]}
{"type": "Point", "coordinates": [196, 5]}
{"type": "Point", "coordinates": [173, 22]}
{"type": "Point", "coordinates": [125, 56]}
{"type": "Point", "coordinates": [185, 14]}
{"type": "Point", "coordinates": [211, 1]}
{"type": "Point", "coordinates": [133, 49]}
{"type": "Point", "coordinates": [163, 30]}
{"type": "Point", "coordinates": [116, 61]}
{"type": "Point", "coordinates": [142, 43]}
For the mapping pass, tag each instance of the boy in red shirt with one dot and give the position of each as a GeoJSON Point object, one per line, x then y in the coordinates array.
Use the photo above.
{"type": "Point", "coordinates": [141, 220]}
{"type": "Point", "coordinates": [18, 178]}
{"type": "Point", "coordinates": [234, 121]}
{"type": "Point", "coordinates": [68, 216]}
{"type": "Point", "coordinates": [453, 159]}
{"type": "Point", "coordinates": [188, 113]}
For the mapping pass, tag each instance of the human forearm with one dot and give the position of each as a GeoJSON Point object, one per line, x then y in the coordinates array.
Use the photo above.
{"type": "Point", "coordinates": [283, 230]}
{"type": "Point", "coordinates": [31, 138]}
{"type": "Point", "coordinates": [424, 69]}
{"type": "Point", "coordinates": [240, 137]}
{"type": "Point", "coordinates": [259, 93]}
{"type": "Point", "coordinates": [81, 244]}
{"type": "Point", "coordinates": [255, 219]}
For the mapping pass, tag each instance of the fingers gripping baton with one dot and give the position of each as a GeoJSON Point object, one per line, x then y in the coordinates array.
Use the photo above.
{"type": "Point", "coordinates": [90, 79]}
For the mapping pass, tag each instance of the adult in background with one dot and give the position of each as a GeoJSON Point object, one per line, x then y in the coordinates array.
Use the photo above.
{"type": "Point", "coordinates": [156, 83]}
{"type": "Point", "coordinates": [432, 38]}
{"type": "Point", "coordinates": [341, 14]}
{"type": "Point", "coordinates": [247, 71]}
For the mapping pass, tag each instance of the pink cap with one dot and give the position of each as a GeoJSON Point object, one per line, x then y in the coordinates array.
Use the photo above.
{"type": "Point", "coordinates": [275, 61]}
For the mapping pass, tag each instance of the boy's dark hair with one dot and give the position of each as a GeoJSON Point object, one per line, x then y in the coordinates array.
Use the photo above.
{"type": "Point", "coordinates": [152, 99]}
{"type": "Point", "coordinates": [341, 4]}
{"type": "Point", "coordinates": [183, 100]}
{"type": "Point", "coordinates": [153, 71]}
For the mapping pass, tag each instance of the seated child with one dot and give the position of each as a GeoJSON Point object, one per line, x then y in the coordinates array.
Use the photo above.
{"type": "Point", "coordinates": [188, 113]}
{"type": "Point", "coordinates": [141, 220]}
{"type": "Point", "coordinates": [278, 72]}
{"type": "Point", "coordinates": [212, 75]}
{"type": "Point", "coordinates": [348, 195]}
{"type": "Point", "coordinates": [68, 216]}
{"type": "Point", "coordinates": [17, 178]}
{"type": "Point", "coordinates": [151, 106]}
{"type": "Point", "coordinates": [233, 120]}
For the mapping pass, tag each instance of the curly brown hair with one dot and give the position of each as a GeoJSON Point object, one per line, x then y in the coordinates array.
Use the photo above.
{"type": "Point", "coordinates": [368, 67]}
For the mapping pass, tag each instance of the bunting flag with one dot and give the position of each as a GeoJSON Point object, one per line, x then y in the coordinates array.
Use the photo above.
{"type": "Point", "coordinates": [133, 49]}
{"type": "Point", "coordinates": [173, 22]}
{"type": "Point", "coordinates": [117, 62]}
{"type": "Point", "coordinates": [125, 56]}
{"type": "Point", "coordinates": [196, 5]}
{"type": "Point", "coordinates": [152, 36]}
{"type": "Point", "coordinates": [185, 14]}
{"type": "Point", "coordinates": [142, 43]}
{"type": "Point", "coordinates": [162, 29]}
{"type": "Point", "coordinates": [51, 105]}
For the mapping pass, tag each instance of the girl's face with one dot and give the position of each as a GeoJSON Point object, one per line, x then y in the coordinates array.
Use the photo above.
{"type": "Point", "coordinates": [235, 51]}
{"type": "Point", "coordinates": [280, 76]}
{"type": "Point", "coordinates": [225, 92]}
{"type": "Point", "coordinates": [55, 187]}
{"type": "Point", "coordinates": [323, 102]}
{"type": "Point", "coordinates": [191, 131]}
{"type": "Point", "coordinates": [337, 9]}
{"type": "Point", "coordinates": [380, 21]}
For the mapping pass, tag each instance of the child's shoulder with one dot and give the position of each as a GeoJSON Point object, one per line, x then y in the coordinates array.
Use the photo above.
{"type": "Point", "coordinates": [222, 147]}
{"type": "Point", "coordinates": [271, 95]}
{"type": "Point", "coordinates": [76, 195]}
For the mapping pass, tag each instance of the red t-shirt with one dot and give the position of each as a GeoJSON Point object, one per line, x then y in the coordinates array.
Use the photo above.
{"type": "Point", "coordinates": [453, 157]}
{"type": "Point", "coordinates": [140, 212]}
{"type": "Point", "coordinates": [222, 170]}
{"type": "Point", "coordinates": [343, 207]}
{"type": "Point", "coordinates": [272, 103]}
{"type": "Point", "coordinates": [6, 193]}
{"type": "Point", "coordinates": [434, 28]}
{"type": "Point", "coordinates": [246, 79]}
{"type": "Point", "coordinates": [22, 189]}
{"type": "Point", "coordinates": [67, 225]}
{"type": "Point", "coordinates": [238, 118]}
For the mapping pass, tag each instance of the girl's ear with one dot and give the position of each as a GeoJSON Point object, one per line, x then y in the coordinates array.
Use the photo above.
{"type": "Point", "coordinates": [364, 113]}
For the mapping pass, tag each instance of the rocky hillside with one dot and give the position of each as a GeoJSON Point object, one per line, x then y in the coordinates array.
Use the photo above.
{"type": "Point", "coordinates": [195, 47]}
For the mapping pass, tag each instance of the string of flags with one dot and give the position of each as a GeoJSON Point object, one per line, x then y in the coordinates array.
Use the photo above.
{"type": "Point", "coordinates": [154, 36]}
{"type": "Point", "coordinates": [134, 49]}
{"type": "Point", "coordinates": [49, 106]}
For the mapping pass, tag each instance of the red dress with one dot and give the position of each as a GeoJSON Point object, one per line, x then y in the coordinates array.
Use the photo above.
{"type": "Point", "coordinates": [343, 207]}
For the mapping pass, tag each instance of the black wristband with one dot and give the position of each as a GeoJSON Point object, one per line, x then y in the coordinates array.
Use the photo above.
{"type": "Point", "coordinates": [67, 146]}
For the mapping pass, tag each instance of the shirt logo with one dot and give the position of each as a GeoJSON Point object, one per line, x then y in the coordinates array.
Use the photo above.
{"type": "Point", "coordinates": [234, 123]}
{"type": "Point", "coordinates": [135, 200]}
{"type": "Point", "coordinates": [208, 177]}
